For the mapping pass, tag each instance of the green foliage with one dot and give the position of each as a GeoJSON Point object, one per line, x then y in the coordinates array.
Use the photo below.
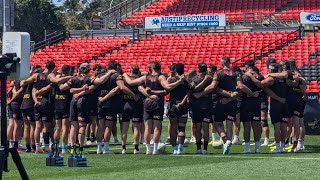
{"type": "Point", "coordinates": [35, 16]}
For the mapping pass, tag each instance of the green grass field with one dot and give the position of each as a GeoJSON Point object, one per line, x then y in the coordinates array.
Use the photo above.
{"type": "Point", "coordinates": [190, 166]}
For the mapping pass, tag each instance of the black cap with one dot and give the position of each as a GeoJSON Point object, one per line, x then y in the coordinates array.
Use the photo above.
{"type": "Point", "coordinates": [202, 67]}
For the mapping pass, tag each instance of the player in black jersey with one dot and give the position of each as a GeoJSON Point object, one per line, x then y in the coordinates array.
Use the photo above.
{"type": "Point", "coordinates": [80, 86]}
{"type": "Point", "coordinates": [178, 109]}
{"type": "Point", "coordinates": [27, 110]}
{"type": "Point", "coordinates": [225, 81]}
{"type": "Point", "coordinates": [239, 72]}
{"type": "Point", "coordinates": [251, 111]}
{"type": "Point", "coordinates": [191, 74]}
{"type": "Point", "coordinates": [278, 106]}
{"type": "Point", "coordinates": [110, 105]}
{"type": "Point", "coordinates": [211, 71]}
{"type": "Point", "coordinates": [295, 100]}
{"type": "Point", "coordinates": [40, 95]}
{"type": "Point", "coordinates": [132, 110]}
{"type": "Point", "coordinates": [62, 110]}
{"type": "Point", "coordinates": [93, 101]}
{"type": "Point", "coordinates": [156, 86]}
{"type": "Point", "coordinates": [264, 111]}
{"type": "Point", "coordinates": [10, 116]}
{"type": "Point", "coordinates": [201, 108]}
{"type": "Point", "coordinates": [15, 103]}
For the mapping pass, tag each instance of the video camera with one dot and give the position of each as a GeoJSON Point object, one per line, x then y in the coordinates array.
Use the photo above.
{"type": "Point", "coordinates": [8, 63]}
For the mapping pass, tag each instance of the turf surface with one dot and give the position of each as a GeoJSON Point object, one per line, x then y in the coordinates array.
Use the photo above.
{"type": "Point", "coordinates": [190, 166]}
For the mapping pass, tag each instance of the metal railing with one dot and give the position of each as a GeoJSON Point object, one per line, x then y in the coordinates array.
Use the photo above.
{"type": "Point", "coordinates": [112, 16]}
{"type": "Point", "coordinates": [132, 33]}
{"type": "Point", "coordinates": [259, 54]}
{"type": "Point", "coordinates": [50, 39]}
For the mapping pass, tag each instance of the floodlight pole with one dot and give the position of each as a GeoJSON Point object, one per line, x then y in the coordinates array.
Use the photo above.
{"type": "Point", "coordinates": [4, 139]}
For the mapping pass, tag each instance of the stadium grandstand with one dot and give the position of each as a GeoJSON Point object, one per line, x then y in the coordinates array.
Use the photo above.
{"type": "Point", "coordinates": [136, 32]}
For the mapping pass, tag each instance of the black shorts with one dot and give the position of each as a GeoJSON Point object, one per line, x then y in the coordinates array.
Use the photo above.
{"type": "Point", "coordinates": [278, 112]}
{"type": "Point", "coordinates": [28, 114]}
{"type": "Point", "coordinates": [298, 108]}
{"type": "Point", "coordinates": [16, 111]}
{"type": "Point", "coordinates": [156, 114]}
{"type": "Point", "coordinates": [174, 112]}
{"type": "Point", "coordinates": [226, 111]}
{"type": "Point", "coordinates": [10, 112]}
{"type": "Point", "coordinates": [79, 109]}
{"type": "Point", "coordinates": [239, 106]}
{"type": "Point", "coordinates": [134, 111]}
{"type": "Point", "coordinates": [44, 111]}
{"type": "Point", "coordinates": [251, 110]}
{"type": "Point", "coordinates": [109, 114]}
{"type": "Point", "coordinates": [264, 105]}
{"type": "Point", "coordinates": [59, 115]}
{"type": "Point", "coordinates": [201, 114]}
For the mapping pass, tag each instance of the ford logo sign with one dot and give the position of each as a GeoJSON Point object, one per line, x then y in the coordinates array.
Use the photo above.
{"type": "Point", "coordinates": [313, 17]}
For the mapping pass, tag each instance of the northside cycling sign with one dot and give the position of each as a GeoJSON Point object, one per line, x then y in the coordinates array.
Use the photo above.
{"type": "Point", "coordinates": [193, 21]}
{"type": "Point", "coordinates": [310, 17]}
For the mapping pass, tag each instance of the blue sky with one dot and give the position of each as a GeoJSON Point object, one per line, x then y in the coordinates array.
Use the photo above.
{"type": "Point", "coordinates": [57, 3]}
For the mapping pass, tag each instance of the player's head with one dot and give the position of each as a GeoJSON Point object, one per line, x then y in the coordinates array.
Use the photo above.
{"type": "Point", "coordinates": [112, 64]}
{"type": "Point", "coordinates": [119, 68]}
{"type": "Point", "coordinates": [179, 67]}
{"type": "Point", "coordinates": [172, 68]}
{"type": "Point", "coordinates": [97, 69]}
{"type": "Point", "coordinates": [270, 60]}
{"type": "Point", "coordinates": [135, 70]}
{"type": "Point", "coordinates": [249, 64]}
{"type": "Point", "coordinates": [66, 70]}
{"type": "Point", "coordinates": [292, 63]}
{"type": "Point", "coordinates": [202, 68]}
{"type": "Point", "coordinates": [273, 68]}
{"type": "Point", "coordinates": [225, 61]}
{"type": "Point", "coordinates": [84, 68]}
{"type": "Point", "coordinates": [50, 65]}
{"type": "Point", "coordinates": [212, 69]}
{"type": "Point", "coordinates": [155, 66]}
{"type": "Point", "coordinates": [255, 69]}
{"type": "Point", "coordinates": [236, 69]}
{"type": "Point", "coordinates": [283, 65]}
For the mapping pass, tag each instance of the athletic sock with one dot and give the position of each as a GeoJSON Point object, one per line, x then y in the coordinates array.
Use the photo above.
{"type": "Point", "coordinates": [136, 147]}
{"type": "Point", "coordinates": [148, 147]}
{"type": "Point", "coordinates": [106, 146]}
{"type": "Point", "coordinates": [33, 147]}
{"type": "Point", "coordinates": [257, 146]}
{"type": "Point", "coordinates": [11, 143]}
{"type": "Point", "coordinates": [52, 139]}
{"type": "Point", "coordinates": [295, 143]}
{"type": "Point", "coordinates": [198, 145]}
{"type": "Point", "coordinates": [155, 147]}
{"type": "Point", "coordinates": [124, 147]}
{"type": "Point", "coordinates": [247, 146]}
{"type": "Point", "coordinates": [180, 147]}
{"type": "Point", "coordinates": [16, 144]}
{"type": "Point", "coordinates": [278, 146]}
{"type": "Point", "coordinates": [174, 148]}
{"type": "Point", "coordinates": [88, 138]}
{"type": "Point", "coordinates": [236, 138]}
{"type": "Point", "coordinates": [28, 147]}
{"type": "Point", "coordinates": [205, 145]}
{"type": "Point", "coordinates": [38, 146]}
{"type": "Point", "coordinates": [81, 149]}
{"type": "Point", "coordinates": [287, 141]}
{"type": "Point", "coordinates": [46, 140]}
{"type": "Point", "coordinates": [99, 145]}
{"type": "Point", "coordinates": [213, 136]}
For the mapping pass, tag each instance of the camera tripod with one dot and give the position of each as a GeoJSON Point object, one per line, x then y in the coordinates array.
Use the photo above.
{"type": "Point", "coordinates": [4, 149]}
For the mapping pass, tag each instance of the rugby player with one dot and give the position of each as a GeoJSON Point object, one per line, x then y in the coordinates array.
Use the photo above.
{"type": "Point", "coordinates": [278, 106]}
{"type": "Point", "coordinates": [62, 111]}
{"type": "Point", "coordinates": [225, 82]}
{"type": "Point", "coordinates": [81, 86]}
{"type": "Point", "coordinates": [40, 95]}
{"type": "Point", "coordinates": [132, 110]}
{"type": "Point", "coordinates": [178, 109]}
{"type": "Point", "coordinates": [111, 102]}
{"type": "Point", "coordinates": [155, 83]}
